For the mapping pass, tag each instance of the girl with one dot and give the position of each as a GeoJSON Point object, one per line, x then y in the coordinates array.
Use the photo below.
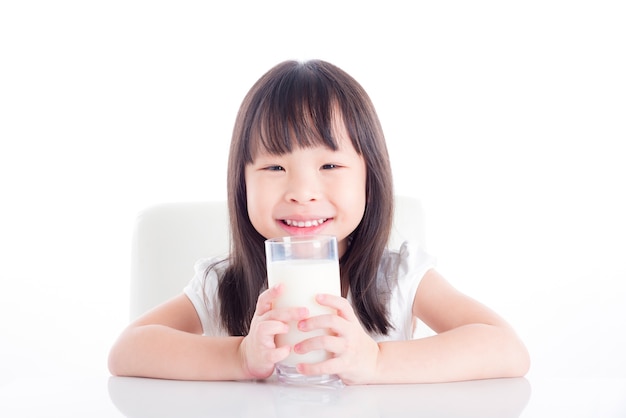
{"type": "Point", "coordinates": [308, 156]}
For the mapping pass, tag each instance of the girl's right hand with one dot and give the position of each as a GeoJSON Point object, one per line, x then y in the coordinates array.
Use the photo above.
{"type": "Point", "coordinates": [258, 349]}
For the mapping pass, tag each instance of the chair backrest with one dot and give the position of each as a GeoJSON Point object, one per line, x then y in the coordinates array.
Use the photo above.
{"type": "Point", "coordinates": [169, 238]}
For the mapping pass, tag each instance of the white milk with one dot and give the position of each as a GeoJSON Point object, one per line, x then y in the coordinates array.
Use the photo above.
{"type": "Point", "coordinates": [303, 279]}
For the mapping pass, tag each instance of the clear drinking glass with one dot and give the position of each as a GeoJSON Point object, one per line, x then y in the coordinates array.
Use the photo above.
{"type": "Point", "coordinates": [306, 266]}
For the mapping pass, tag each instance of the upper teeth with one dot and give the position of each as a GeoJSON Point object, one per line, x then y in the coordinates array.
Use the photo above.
{"type": "Point", "coordinates": [305, 224]}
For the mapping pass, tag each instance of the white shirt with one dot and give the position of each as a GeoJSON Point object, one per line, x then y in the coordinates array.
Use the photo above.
{"type": "Point", "coordinates": [399, 275]}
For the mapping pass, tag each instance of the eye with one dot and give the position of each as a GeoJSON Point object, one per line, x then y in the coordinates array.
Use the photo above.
{"type": "Point", "coordinates": [274, 168]}
{"type": "Point", "coordinates": [329, 166]}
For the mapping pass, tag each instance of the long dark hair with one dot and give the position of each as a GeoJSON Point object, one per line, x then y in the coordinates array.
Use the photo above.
{"type": "Point", "coordinates": [292, 105]}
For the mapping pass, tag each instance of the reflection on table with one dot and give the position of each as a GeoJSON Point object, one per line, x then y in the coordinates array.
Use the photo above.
{"type": "Point", "coordinates": [136, 397]}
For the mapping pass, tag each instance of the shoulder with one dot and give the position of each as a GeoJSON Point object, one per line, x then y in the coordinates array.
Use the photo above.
{"type": "Point", "coordinates": [202, 291]}
{"type": "Point", "coordinates": [409, 262]}
{"type": "Point", "coordinates": [217, 265]}
{"type": "Point", "coordinates": [206, 274]}
{"type": "Point", "coordinates": [400, 274]}
{"type": "Point", "coordinates": [401, 271]}
{"type": "Point", "coordinates": [209, 269]}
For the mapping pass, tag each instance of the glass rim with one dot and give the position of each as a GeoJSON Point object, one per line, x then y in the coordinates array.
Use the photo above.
{"type": "Point", "coordinates": [300, 239]}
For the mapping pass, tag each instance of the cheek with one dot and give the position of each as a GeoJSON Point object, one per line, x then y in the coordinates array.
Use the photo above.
{"type": "Point", "coordinates": [359, 208]}
{"type": "Point", "coordinates": [255, 214]}
{"type": "Point", "coordinates": [259, 201]}
{"type": "Point", "coordinates": [252, 201]}
{"type": "Point", "coordinates": [352, 200]}
{"type": "Point", "coordinates": [360, 201]}
{"type": "Point", "coordinates": [358, 190]}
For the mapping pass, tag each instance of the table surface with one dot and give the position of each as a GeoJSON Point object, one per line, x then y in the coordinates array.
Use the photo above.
{"type": "Point", "coordinates": [107, 396]}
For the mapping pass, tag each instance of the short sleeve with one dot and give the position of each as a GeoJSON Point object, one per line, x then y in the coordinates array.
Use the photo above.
{"type": "Point", "coordinates": [404, 270]}
{"type": "Point", "coordinates": [202, 292]}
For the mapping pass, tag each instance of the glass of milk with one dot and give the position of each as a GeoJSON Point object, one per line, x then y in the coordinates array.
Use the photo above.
{"type": "Point", "coordinates": [306, 266]}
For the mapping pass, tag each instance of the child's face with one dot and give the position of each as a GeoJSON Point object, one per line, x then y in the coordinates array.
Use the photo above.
{"type": "Point", "coordinates": [308, 191]}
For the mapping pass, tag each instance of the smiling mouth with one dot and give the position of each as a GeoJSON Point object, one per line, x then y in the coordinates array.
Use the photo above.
{"type": "Point", "coordinates": [304, 224]}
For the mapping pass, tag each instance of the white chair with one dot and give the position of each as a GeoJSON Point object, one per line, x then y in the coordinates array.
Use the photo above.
{"type": "Point", "coordinates": [169, 238]}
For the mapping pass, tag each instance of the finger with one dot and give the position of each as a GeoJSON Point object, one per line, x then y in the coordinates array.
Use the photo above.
{"type": "Point", "coordinates": [331, 366]}
{"type": "Point", "coordinates": [334, 323]}
{"type": "Point", "coordinates": [264, 302]}
{"type": "Point", "coordinates": [332, 344]}
{"type": "Point", "coordinates": [340, 304]}
{"type": "Point", "coordinates": [287, 314]}
{"type": "Point", "coordinates": [279, 354]}
{"type": "Point", "coordinates": [267, 330]}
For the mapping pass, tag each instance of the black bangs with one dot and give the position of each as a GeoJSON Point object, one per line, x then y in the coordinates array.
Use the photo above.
{"type": "Point", "coordinates": [298, 108]}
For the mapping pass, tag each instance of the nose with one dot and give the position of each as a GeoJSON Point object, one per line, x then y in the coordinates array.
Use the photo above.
{"type": "Point", "coordinates": [303, 187]}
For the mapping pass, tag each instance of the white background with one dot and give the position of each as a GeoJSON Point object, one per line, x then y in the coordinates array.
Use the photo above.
{"type": "Point", "coordinates": [506, 118]}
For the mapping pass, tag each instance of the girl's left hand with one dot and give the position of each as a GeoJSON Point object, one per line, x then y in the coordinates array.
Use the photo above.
{"type": "Point", "coordinates": [355, 353]}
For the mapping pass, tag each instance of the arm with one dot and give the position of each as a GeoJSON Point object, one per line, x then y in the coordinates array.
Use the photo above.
{"type": "Point", "coordinates": [167, 342]}
{"type": "Point", "coordinates": [472, 342]}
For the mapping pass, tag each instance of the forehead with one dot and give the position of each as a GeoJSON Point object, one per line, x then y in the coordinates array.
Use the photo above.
{"type": "Point", "coordinates": [281, 137]}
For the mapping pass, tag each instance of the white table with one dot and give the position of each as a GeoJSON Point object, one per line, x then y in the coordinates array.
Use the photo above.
{"type": "Point", "coordinates": [105, 396]}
